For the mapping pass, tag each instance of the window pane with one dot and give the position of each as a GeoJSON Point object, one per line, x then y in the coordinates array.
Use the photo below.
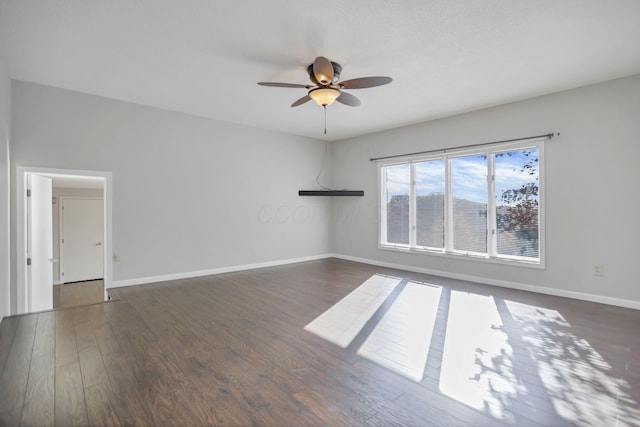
{"type": "Point", "coordinates": [430, 190]}
{"type": "Point", "coordinates": [469, 197]}
{"type": "Point", "coordinates": [398, 187]}
{"type": "Point", "coordinates": [517, 207]}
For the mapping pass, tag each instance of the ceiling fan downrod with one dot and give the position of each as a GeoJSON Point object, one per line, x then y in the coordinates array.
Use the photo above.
{"type": "Point", "coordinates": [324, 107]}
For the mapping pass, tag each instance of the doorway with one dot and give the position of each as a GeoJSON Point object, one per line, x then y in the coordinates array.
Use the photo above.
{"type": "Point", "coordinates": [80, 236]}
{"type": "Point", "coordinates": [86, 197]}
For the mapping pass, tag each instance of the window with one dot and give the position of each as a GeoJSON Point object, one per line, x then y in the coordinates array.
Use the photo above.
{"type": "Point", "coordinates": [430, 188]}
{"type": "Point", "coordinates": [469, 199]}
{"type": "Point", "coordinates": [517, 184]}
{"type": "Point", "coordinates": [483, 203]}
{"type": "Point", "coordinates": [398, 184]}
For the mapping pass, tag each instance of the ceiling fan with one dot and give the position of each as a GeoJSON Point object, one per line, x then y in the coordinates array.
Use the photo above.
{"type": "Point", "coordinates": [326, 89]}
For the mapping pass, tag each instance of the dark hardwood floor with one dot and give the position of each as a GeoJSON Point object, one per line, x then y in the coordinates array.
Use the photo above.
{"type": "Point", "coordinates": [231, 349]}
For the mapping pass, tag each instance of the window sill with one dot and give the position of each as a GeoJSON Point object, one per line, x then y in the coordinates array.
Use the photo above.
{"type": "Point", "coordinates": [515, 262]}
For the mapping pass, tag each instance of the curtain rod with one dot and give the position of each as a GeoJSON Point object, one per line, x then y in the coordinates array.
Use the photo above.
{"type": "Point", "coordinates": [461, 147]}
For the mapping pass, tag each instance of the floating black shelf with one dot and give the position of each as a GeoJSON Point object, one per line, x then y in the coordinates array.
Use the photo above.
{"type": "Point", "coordinates": [331, 193]}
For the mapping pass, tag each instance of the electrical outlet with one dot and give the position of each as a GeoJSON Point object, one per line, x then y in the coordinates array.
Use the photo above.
{"type": "Point", "coordinates": [598, 270]}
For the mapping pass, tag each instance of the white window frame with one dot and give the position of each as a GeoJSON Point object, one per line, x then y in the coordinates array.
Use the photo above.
{"type": "Point", "coordinates": [490, 150]}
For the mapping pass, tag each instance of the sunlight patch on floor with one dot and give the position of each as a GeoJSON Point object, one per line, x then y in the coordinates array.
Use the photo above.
{"type": "Point", "coordinates": [564, 374]}
{"type": "Point", "coordinates": [577, 379]}
{"type": "Point", "coordinates": [341, 323]}
{"type": "Point", "coordinates": [477, 360]}
{"type": "Point", "coordinates": [401, 340]}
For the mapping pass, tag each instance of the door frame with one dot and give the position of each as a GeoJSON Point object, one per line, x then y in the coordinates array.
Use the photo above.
{"type": "Point", "coordinates": [21, 239]}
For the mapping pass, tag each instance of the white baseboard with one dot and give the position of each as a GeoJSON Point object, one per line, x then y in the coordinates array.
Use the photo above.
{"type": "Point", "coordinates": [484, 280]}
{"type": "Point", "coordinates": [220, 270]}
{"type": "Point", "coordinates": [502, 283]}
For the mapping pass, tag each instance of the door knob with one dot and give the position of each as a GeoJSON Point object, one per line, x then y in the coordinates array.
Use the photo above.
{"type": "Point", "coordinates": [99, 244]}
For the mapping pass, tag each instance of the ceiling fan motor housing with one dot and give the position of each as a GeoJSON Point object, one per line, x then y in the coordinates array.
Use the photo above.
{"type": "Point", "coordinates": [337, 69]}
{"type": "Point", "coordinates": [324, 75]}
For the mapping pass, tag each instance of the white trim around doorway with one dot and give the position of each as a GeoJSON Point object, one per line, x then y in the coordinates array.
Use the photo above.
{"type": "Point", "coordinates": [21, 247]}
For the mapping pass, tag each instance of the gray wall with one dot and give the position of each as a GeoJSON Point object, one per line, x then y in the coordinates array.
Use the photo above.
{"type": "Point", "coordinates": [5, 120]}
{"type": "Point", "coordinates": [592, 191]}
{"type": "Point", "coordinates": [189, 194]}
{"type": "Point", "coordinates": [193, 194]}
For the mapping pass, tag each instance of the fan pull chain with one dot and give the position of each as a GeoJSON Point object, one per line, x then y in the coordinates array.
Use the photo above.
{"type": "Point", "coordinates": [325, 119]}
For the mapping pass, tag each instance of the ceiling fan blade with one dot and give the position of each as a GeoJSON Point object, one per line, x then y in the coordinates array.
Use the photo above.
{"type": "Point", "coordinates": [364, 82]}
{"type": "Point", "coordinates": [282, 84]}
{"type": "Point", "coordinates": [348, 99]}
{"type": "Point", "coordinates": [301, 101]}
{"type": "Point", "coordinates": [323, 70]}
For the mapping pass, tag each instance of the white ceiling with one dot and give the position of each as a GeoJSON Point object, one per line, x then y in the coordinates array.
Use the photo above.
{"type": "Point", "coordinates": [204, 57]}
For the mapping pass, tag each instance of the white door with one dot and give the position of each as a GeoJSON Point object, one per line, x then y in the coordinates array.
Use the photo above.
{"type": "Point", "coordinates": [81, 239]}
{"type": "Point", "coordinates": [39, 244]}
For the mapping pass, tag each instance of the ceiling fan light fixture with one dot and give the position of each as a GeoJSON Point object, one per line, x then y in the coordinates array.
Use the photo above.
{"type": "Point", "coordinates": [324, 96]}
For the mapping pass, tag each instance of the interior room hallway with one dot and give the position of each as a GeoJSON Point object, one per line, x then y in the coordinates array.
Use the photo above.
{"type": "Point", "coordinates": [326, 342]}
